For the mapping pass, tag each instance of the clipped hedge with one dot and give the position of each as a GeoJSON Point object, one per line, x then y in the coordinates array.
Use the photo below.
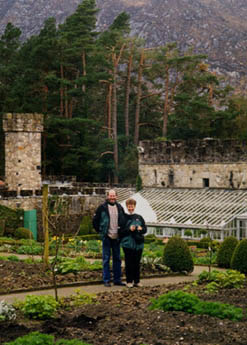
{"type": "Point", "coordinates": [177, 255]}
{"type": "Point", "coordinates": [239, 257]}
{"type": "Point", "coordinates": [225, 252]}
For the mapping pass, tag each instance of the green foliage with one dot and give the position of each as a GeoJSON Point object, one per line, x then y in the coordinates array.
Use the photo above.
{"type": "Point", "coordinates": [77, 299]}
{"type": "Point", "coordinates": [93, 246]}
{"type": "Point", "coordinates": [176, 300]}
{"type": "Point", "coordinates": [13, 258]}
{"type": "Point", "coordinates": [190, 303]}
{"type": "Point", "coordinates": [36, 338]}
{"type": "Point", "coordinates": [86, 226]}
{"type": "Point", "coordinates": [13, 218]}
{"type": "Point", "coordinates": [188, 233]}
{"type": "Point", "coordinates": [225, 252]}
{"type": "Point", "coordinates": [239, 257]}
{"type": "Point", "coordinates": [23, 233]}
{"type": "Point", "coordinates": [30, 250]}
{"type": "Point", "coordinates": [177, 255]}
{"type": "Point", "coordinates": [228, 279]}
{"type": "Point", "coordinates": [70, 265]}
{"type": "Point", "coordinates": [220, 310]}
{"type": "Point", "coordinates": [33, 338]}
{"type": "Point", "coordinates": [204, 242]}
{"type": "Point", "coordinates": [39, 307]}
{"type": "Point", "coordinates": [205, 260]}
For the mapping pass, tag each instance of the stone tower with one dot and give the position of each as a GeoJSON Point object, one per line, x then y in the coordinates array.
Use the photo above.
{"type": "Point", "coordinates": [23, 152]}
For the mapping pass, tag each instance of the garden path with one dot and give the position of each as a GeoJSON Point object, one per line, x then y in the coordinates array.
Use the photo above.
{"type": "Point", "coordinates": [99, 287]}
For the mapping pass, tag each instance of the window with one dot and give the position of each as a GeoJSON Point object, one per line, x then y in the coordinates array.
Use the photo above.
{"type": "Point", "coordinates": [205, 182]}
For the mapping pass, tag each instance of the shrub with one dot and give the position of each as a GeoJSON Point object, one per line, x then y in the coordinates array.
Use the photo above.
{"type": "Point", "coordinates": [86, 226]}
{"type": "Point", "coordinates": [239, 257]}
{"type": "Point", "coordinates": [177, 255]}
{"type": "Point", "coordinates": [138, 183]}
{"type": "Point", "coordinates": [23, 233]}
{"type": "Point", "coordinates": [225, 252]}
{"type": "Point", "coordinates": [176, 300]}
{"type": "Point", "coordinates": [39, 307]}
{"type": "Point", "coordinates": [204, 242]}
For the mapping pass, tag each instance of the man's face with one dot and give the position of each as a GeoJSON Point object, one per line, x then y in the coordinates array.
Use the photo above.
{"type": "Point", "coordinates": [112, 197]}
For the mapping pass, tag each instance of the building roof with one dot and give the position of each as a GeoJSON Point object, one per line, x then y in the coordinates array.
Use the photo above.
{"type": "Point", "coordinates": [195, 208]}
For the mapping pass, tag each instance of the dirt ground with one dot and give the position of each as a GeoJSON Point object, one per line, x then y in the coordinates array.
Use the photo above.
{"type": "Point", "coordinates": [122, 317]}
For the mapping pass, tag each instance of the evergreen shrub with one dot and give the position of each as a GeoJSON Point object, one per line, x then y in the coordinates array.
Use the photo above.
{"type": "Point", "coordinates": [225, 252]}
{"type": "Point", "coordinates": [23, 233]}
{"type": "Point", "coordinates": [239, 257]}
{"type": "Point", "coordinates": [86, 226]}
{"type": "Point", "coordinates": [177, 255]}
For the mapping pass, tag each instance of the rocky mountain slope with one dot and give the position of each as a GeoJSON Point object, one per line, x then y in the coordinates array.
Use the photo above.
{"type": "Point", "coordinates": [217, 28]}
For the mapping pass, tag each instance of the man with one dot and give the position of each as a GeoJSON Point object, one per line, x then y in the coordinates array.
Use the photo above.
{"type": "Point", "coordinates": [107, 220]}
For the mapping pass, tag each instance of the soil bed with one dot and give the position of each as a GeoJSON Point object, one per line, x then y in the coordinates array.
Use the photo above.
{"type": "Point", "coordinates": [122, 317]}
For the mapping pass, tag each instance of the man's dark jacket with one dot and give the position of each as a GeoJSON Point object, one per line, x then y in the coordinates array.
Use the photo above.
{"type": "Point", "coordinates": [101, 219]}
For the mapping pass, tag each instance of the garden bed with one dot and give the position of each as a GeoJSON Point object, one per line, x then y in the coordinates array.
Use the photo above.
{"type": "Point", "coordinates": [122, 317]}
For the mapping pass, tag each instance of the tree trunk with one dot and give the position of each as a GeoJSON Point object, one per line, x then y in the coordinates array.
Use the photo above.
{"type": "Point", "coordinates": [166, 103]}
{"type": "Point", "coordinates": [114, 122]}
{"type": "Point", "coordinates": [126, 112]}
{"type": "Point", "coordinates": [138, 99]}
{"type": "Point", "coordinates": [109, 110]}
{"type": "Point", "coordinates": [84, 72]}
{"type": "Point", "coordinates": [61, 91]}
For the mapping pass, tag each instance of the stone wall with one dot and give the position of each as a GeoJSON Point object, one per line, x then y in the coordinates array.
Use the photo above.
{"type": "Point", "coordinates": [194, 164]}
{"type": "Point", "coordinates": [78, 206]}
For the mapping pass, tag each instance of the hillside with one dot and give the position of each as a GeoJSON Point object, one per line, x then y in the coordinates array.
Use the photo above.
{"type": "Point", "coordinates": [215, 27]}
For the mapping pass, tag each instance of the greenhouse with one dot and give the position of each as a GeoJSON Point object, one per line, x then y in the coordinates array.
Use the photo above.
{"type": "Point", "coordinates": [193, 213]}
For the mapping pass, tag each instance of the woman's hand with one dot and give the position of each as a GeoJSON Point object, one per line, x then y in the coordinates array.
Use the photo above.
{"type": "Point", "coordinates": [132, 228]}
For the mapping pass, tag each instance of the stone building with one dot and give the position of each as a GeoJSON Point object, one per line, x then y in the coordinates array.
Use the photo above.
{"type": "Point", "coordinates": [208, 163]}
{"type": "Point", "coordinates": [23, 152]}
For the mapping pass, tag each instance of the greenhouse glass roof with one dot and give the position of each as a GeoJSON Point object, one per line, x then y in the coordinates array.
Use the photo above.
{"type": "Point", "coordinates": [195, 208]}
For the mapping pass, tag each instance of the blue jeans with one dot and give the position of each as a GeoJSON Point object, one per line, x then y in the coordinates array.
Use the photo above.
{"type": "Point", "coordinates": [109, 245]}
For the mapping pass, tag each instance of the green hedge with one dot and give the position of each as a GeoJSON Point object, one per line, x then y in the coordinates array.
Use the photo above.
{"type": "Point", "coordinates": [13, 218]}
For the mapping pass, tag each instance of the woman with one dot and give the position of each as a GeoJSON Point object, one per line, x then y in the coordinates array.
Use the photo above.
{"type": "Point", "coordinates": [132, 242]}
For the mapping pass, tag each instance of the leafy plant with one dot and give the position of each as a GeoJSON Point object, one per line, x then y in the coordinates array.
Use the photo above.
{"type": "Point", "coordinates": [190, 303]}
{"type": "Point", "coordinates": [79, 298]}
{"type": "Point", "coordinates": [7, 311]}
{"type": "Point", "coordinates": [176, 300]}
{"type": "Point", "coordinates": [224, 279]}
{"type": "Point", "coordinates": [13, 258]}
{"type": "Point", "coordinates": [39, 307]}
{"type": "Point", "coordinates": [93, 246]}
{"type": "Point", "coordinates": [31, 250]}
{"type": "Point", "coordinates": [36, 338]}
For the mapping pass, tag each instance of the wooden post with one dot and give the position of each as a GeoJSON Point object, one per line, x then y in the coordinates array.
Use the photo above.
{"type": "Point", "coordinates": [45, 225]}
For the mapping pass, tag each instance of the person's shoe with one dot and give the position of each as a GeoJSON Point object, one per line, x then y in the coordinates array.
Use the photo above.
{"type": "Point", "coordinates": [107, 284]}
{"type": "Point", "coordinates": [129, 285]}
{"type": "Point", "coordinates": [138, 284]}
{"type": "Point", "coordinates": [119, 284]}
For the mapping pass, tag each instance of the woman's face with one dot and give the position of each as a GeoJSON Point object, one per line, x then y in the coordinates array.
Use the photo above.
{"type": "Point", "coordinates": [131, 208]}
